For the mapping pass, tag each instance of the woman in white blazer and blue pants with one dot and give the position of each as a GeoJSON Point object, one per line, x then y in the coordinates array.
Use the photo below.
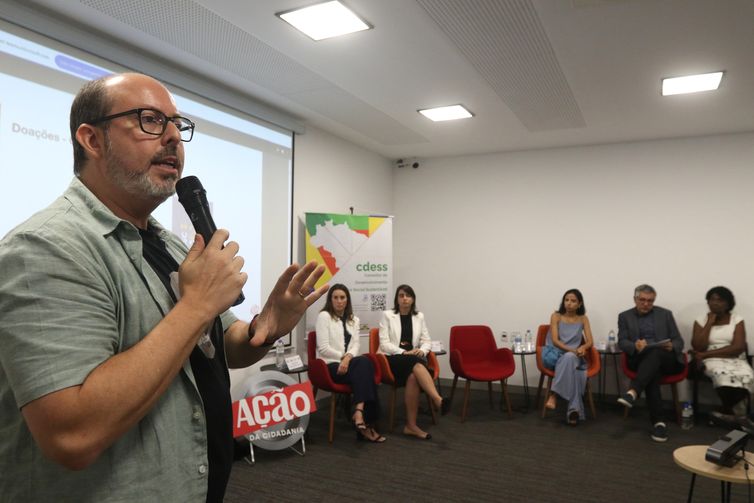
{"type": "Point", "coordinates": [338, 345]}
{"type": "Point", "coordinates": [404, 338]}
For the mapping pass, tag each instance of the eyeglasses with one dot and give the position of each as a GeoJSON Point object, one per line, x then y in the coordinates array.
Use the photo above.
{"type": "Point", "coordinates": [155, 122]}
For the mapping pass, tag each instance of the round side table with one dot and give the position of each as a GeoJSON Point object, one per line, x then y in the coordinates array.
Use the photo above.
{"type": "Point", "coordinates": [691, 458]}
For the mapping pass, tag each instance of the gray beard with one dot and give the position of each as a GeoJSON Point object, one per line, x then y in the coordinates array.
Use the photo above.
{"type": "Point", "coordinates": [137, 184]}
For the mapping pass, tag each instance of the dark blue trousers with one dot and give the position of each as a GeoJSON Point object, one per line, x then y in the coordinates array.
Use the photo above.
{"type": "Point", "coordinates": [360, 377]}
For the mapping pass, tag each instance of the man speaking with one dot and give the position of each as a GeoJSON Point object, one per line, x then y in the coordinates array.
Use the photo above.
{"type": "Point", "coordinates": [115, 340]}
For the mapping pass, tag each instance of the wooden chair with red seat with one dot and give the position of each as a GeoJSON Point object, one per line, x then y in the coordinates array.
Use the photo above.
{"type": "Point", "coordinates": [475, 357]}
{"type": "Point", "coordinates": [319, 375]}
{"type": "Point", "coordinates": [389, 379]}
{"type": "Point", "coordinates": [672, 380]}
{"type": "Point", "coordinates": [593, 369]}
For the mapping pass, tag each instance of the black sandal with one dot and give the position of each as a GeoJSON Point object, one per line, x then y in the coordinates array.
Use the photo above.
{"type": "Point", "coordinates": [361, 434]}
{"type": "Point", "coordinates": [378, 439]}
{"type": "Point", "coordinates": [359, 425]}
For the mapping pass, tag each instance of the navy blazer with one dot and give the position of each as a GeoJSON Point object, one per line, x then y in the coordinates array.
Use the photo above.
{"type": "Point", "coordinates": [665, 328]}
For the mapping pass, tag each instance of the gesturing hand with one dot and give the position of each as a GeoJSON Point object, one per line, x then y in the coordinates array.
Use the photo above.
{"type": "Point", "coordinates": [293, 293]}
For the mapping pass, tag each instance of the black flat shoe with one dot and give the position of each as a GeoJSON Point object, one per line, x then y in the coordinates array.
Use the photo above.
{"type": "Point", "coordinates": [409, 433]}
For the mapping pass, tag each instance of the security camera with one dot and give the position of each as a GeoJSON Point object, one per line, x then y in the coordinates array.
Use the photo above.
{"type": "Point", "coordinates": [403, 163]}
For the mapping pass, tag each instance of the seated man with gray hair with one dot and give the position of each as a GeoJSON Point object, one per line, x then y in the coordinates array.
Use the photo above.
{"type": "Point", "coordinates": [649, 336]}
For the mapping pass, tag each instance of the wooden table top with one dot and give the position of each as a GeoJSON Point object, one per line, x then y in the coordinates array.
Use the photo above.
{"type": "Point", "coordinates": [691, 458]}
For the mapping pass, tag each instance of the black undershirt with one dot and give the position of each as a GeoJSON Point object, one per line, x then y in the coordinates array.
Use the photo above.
{"type": "Point", "coordinates": [211, 376]}
{"type": "Point", "coordinates": [407, 332]}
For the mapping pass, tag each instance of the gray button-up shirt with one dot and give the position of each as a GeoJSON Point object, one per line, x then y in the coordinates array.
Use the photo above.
{"type": "Point", "coordinates": [74, 291]}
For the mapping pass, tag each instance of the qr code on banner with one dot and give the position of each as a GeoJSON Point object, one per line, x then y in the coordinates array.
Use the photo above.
{"type": "Point", "coordinates": [378, 301]}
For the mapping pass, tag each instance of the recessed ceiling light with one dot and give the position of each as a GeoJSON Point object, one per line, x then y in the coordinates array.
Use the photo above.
{"type": "Point", "coordinates": [449, 113]}
{"type": "Point", "coordinates": [691, 83]}
{"type": "Point", "coordinates": [324, 20]}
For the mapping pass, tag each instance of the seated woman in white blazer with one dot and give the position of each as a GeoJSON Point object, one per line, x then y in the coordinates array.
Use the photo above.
{"type": "Point", "coordinates": [404, 338]}
{"type": "Point", "coordinates": [338, 345]}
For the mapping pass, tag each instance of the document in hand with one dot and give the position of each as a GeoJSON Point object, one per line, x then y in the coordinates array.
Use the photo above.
{"type": "Point", "coordinates": [658, 343]}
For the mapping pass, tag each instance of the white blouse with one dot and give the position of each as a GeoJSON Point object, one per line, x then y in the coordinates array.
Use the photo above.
{"type": "Point", "coordinates": [721, 335]}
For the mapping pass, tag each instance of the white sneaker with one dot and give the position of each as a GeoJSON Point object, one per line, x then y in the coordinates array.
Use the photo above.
{"type": "Point", "coordinates": [659, 432]}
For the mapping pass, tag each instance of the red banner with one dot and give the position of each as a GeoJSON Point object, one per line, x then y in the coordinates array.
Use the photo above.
{"type": "Point", "coordinates": [274, 407]}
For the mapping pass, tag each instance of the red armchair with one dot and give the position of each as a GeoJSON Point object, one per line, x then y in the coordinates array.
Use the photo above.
{"type": "Point", "coordinates": [389, 379]}
{"type": "Point", "coordinates": [593, 368]}
{"type": "Point", "coordinates": [672, 380]}
{"type": "Point", "coordinates": [319, 375]}
{"type": "Point", "coordinates": [475, 357]}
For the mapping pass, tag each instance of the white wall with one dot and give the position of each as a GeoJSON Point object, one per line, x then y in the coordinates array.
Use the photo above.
{"type": "Point", "coordinates": [497, 239]}
{"type": "Point", "coordinates": [330, 176]}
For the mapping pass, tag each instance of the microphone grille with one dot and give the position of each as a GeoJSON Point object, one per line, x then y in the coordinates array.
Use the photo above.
{"type": "Point", "coordinates": [188, 186]}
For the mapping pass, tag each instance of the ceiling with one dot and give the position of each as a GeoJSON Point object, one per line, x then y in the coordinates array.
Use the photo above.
{"type": "Point", "coordinates": [535, 73]}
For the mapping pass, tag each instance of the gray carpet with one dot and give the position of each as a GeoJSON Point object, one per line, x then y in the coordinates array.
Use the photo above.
{"type": "Point", "coordinates": [488, 458]}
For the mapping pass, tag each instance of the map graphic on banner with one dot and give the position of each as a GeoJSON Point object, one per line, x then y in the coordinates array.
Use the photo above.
{"type": "Point", "coordinates": [357, 251]}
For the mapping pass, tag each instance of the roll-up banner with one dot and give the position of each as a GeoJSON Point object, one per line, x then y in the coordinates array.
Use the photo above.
{"type": "Point", "coordinates": [357, 251]}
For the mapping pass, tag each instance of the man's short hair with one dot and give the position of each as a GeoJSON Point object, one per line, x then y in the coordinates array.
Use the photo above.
{"type": "Point", "coordinates": [644, 288]}
{"type": "Point", "coordinates": [91, 102]}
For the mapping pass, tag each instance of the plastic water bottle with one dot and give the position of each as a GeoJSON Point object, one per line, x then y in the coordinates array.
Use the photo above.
{"type": "Point", "coordinates": [517, 342]}
{"type": "Point", "coordinates": [611, 341]}
{"type": "Point", "coordinates": [529, 344]}
{"type": "Point", "coordinates": [687, 416]}
{"type": "Point", "coordinates": [279, 354]}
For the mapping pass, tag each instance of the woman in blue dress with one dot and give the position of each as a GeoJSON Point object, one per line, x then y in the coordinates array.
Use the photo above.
{"type": "Point", "coordinates": [568, 342]}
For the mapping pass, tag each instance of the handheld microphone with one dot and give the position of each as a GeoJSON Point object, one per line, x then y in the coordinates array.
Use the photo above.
{"type": "Point", "coordinates": [193, 198]}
